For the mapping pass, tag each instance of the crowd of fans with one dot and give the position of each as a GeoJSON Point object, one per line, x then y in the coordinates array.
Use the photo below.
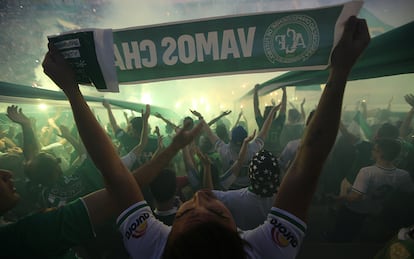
{"type": "Point", "coordinates": [76, 184]}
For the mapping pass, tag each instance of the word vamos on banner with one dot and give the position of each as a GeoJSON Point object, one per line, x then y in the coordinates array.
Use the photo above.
{"type": "Point", "coordinates": [262, 42]}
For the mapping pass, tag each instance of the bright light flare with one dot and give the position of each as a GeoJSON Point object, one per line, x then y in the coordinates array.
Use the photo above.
{"type": "Point", "coordinates": [42, 107]}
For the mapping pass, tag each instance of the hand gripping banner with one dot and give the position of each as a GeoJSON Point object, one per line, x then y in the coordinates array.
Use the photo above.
{"type": "Point", "coordinates": [263, 42]}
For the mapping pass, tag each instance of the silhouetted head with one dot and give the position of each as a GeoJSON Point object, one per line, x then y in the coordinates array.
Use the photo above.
{"type": "Point", "coordinates": [264, 174]}
{"type": "Point", "coordinates": [293, 116]}
{"type": "Point", "coordinates": [204, 228]}
{"type": "Point", "coordinates": [163, 187]}
{"type": "Point", "coordinates": [238, 134]}
{"type": "Point", "coordinates": [43, 169]}
{"type": "Point", "coordinates": [386, 149]}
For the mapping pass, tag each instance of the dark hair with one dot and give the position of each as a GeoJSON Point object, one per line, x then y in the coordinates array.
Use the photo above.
{"type": "Point", "coordinates": [387, 130]}
{"type": "Point", "coordinates": [222, 132]}
{"type": "Point", "coordinates": [163, 187]}
{"type": "Point", "coordinates": [190, 125]}
{"type": "Point", "coordinates": [43, 169]}
{"type": "Point", "coordinates": [267, 111]}
{"type": "Point", "coordinates": [389, 148]}
{"type": "Point", "coordinates": [293, 115]}
{"type": "Point", "coordinates": [238, 134]}
{"type": "Point", "coordinates": [13, 162]}
{"type": "Point", "coordinates": [205, 241]}
{"type": "Point", "coordinates": [136, 123]}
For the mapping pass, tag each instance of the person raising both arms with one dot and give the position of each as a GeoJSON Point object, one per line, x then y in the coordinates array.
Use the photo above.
{"type": "Point", "coordinates": [204, 227]}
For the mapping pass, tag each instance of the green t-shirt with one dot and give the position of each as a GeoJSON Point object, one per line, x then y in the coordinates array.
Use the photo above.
{"type": "Point", "coordinates": [48, 234]}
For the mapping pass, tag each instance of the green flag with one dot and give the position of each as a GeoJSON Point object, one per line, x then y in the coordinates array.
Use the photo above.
{"type": "Point", "coordinates": [263, 42]}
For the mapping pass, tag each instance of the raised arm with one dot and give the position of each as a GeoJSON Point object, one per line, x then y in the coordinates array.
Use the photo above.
{"type": "Point", "coordinates": [206, 162]}
{"type": "Point", "coordinates": [210, 134]}
{"type": "Point", "coordinates": [256, 108]}
{"type": "Point", "coordinates": [233, 172]}
{"type": "Point", "coordinates": [299, 184]}
{"type": "Point", "coordinates": [225, 113]}
{"type": "Point", "coordinates": [168, 122]}
{"type": "Point", "coordinates": [147, 172]}
{"type": "Point", "coordinates": [268, 122]}
{"type": "Point", "coordinates": [65, 133]}
{"type": "Point", "coordinates": [283, 103]}
{"type": "Point", "coordinates": [121, 187]}
{"type": "Point", "coordinates": [30, 143]}
{"type": "Point", "coordinates": [238, 119]}
{"type": "Point", "coordinates": [112, 120]}
{"type": "Point", "coordinates": [144, 132]}
{"type": "Point", "coordinates": [405, 126]}
{"type": "Point", "coordinates": [302, 109]}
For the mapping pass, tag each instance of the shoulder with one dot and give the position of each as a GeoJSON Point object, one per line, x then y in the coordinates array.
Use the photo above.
{"type": "Point", "coordinates": [281, 236]}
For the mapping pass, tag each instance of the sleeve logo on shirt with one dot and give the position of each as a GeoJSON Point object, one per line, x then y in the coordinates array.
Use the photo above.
{"type": "Point", "coordinates": [281, 235]}
{"type": "Point", "coordinates": [138, 228]}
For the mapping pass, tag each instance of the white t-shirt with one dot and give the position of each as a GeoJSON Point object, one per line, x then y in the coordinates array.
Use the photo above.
{"type": "Point", "coordinates": [375, 183]}
{"type": "Point", "coordinates": [229, 156]}
{"type": "Point", "coordinates": [249, 210]}
{"type": "Point", "coordinates": [288, 154]}
{"type": "Point", "coordinates": [145, 237]}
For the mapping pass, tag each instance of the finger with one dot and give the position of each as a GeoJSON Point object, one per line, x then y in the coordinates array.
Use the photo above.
{"type": "Point", "coordinates": [350, 26]}
{"type": "Point", "coordinates": [362, 31]}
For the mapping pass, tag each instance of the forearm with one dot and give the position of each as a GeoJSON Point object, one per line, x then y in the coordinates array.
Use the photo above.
{"type": "Point", "coordinates": [211, 136]}
{"type": "Point", "coordinates": [298, 186]}
{"type": "Point", "coordinates": [256, 104]}
{"type": "Point", "coordinates": [143, 140]}
{"type": "Point", "coordinates": [150, 170]}
{"type": "Point", "coordinates": [303, 113]}
{"type": "Point", "coordinates": [112, 120]}
{"type": "Point", "coordinates": [207, 179]}
{"type": "Point", "coordinates": [284, 102]}
{"type": "Point", "coordinates": [215, 120]}
{"type": "Point", "coordinates": [172, 125]}
{"type": "Point", "coordinates": [117, 178]}
{"type": "Point", "coordinates": [237, 122]}
{"type": "Point", "coordinates": [188, 161]}
{"type": "Point", "coordinates": [405, 126]}
{"type": "Point", "coordinates": [30, 144]}
{"type": "Point", "coordinates": [266, 125]}
{"type": "Point", "coordinates": [323, 134]}
{"type": "Point", "coordinates": [79, 147]}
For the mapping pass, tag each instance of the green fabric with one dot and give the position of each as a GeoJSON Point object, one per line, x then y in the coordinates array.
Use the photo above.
{"type": "Point", "coordinates": [48, 234]}
{"type": "Point", "coordinates": [21, 91]}
{"type": "Point", "coordinates": [390, 53]}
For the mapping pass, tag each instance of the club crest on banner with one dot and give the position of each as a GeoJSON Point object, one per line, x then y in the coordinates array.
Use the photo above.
{"type": "Point", "coordinates": [291, 39]}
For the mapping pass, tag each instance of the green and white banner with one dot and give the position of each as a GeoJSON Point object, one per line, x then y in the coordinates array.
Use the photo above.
{"type": "Point", "coordinates": [290, 40]}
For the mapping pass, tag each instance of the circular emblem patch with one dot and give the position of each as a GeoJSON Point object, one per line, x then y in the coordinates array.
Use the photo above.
{"type": "Point", "coordinates": [291, 39]}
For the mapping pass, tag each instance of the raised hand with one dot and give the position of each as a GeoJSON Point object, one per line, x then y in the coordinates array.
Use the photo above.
{"type": "Point", "coordinates": [106, 104]}
{"type": "Point", "coordinates": [59, 70]}
{"type": "Point", "coordinates": [159, 138]}
{"type": "Point", "coordinates": [353, 42]}
{"type": "Point", "coordinates": [250, 138]}
{"type": "Point", "coordinates": [15, 114]}
{"type": "Point", "coordinates": [196, 113]}
{"type": "Point", "coordinates": [225, 113]}
{"type": "Point", "coordinates": [184, 137]}
{"type": "Point", "coordinates": [145, 115]}
{"type": "Point", "coordinates": [303, 102]}
{"type": "Point", "coordinates": [409, 98]}
{"type": "Point", "coordinates": [64, 131]}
